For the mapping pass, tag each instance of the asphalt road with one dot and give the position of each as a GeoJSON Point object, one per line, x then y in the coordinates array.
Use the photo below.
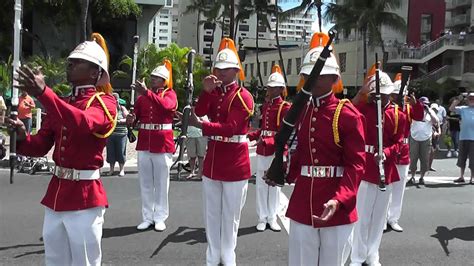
{"type": "Point", "coordinates": [438, 220]}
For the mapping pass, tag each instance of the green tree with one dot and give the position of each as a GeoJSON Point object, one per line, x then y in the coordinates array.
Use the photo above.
{"type": "Point", "coordinates": [54, 71]}
{"type": "Point", "coordinates": [366, 17]}
{"type": "Point", "coordinates": [150, 57]}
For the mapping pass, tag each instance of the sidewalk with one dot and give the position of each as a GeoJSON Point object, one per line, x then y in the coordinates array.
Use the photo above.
{"type": "Point", "coordinates": [131, 163]}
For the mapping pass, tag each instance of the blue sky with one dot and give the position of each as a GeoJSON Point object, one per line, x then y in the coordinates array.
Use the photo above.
{"type": "Point", "coordinates": [287, 4]}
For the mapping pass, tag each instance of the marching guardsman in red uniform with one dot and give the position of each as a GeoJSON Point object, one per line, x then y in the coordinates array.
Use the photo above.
{"type": "Point", "coordinates": [75, 201]}
{"type": "Point", "coordinates": [327, 166]}
{"type": "Point", "coordinates": [372, 203]}
{"type": "Point", "coordinates": [273, 112]}
{"type": "Point", "coordinates": [227, 164]}
{"type": "Point", "coordinates": [154, 112]}
{"type": "Point", "coordinates": [413, 111]}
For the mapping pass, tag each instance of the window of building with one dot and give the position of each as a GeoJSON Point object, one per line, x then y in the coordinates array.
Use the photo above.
{"type": "Point", "coordinates": [163, 30]}
{"type": "Point", "coordinates": [243, 27]}
{"type": "Point", "coordinates": [169, 3]}
{"type": "Point", "coordinates": [162, 45]}
{"type": "Point", "coordinates": [469, 62]}
{"type": "Point", "coordinates": [426, 24]}
{"type": "Point", "coordinates": [265, 68]}
{"type": "Point", "coordinates": [288, 67]}
{"type": "Point", "coordinates": [162, 23]}
{"type": "Point", "coordinates": [342, 62]}
{"type": "Point", "coordinates": [298, 64]}
{"type": "Point", "coordinates": [243, 34]}
{"type": "Point", "coordinates": [273, 63]}
{"type": "Point", "coordinates": [251, 70]}
{"type": "Point", "coordinates": [262, 29]}
{"type": "Point", "coordinates": [163, 38]}
{"type": "Point", "coordinates": [261, 35]}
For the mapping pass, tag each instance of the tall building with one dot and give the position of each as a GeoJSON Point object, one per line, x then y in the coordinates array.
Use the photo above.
{"type": "Point", "coordinates": [426, 45]}
{"type": "Point", "coordinates": [162, 27]}
{"type": "Point", "coordinates": [459, 15]}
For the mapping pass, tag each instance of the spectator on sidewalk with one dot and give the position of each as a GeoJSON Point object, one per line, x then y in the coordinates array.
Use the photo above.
{"type": "Point", "coordinates": [454, 128]}
{"type": "Point", "coordinates": [466, 135]}
{"type": "Point", "coordinates": [436, 135]}
{"type": "Point", "coordinates": [25, 107]}
{"type": "Point", "coordinates": [3, 110]}
{"type": "Point", "coordinates": [196, 145]}
{"type": "Point", "coordinates": [117, 142]}
{"type": "Point", "coordinates": [420, 142]}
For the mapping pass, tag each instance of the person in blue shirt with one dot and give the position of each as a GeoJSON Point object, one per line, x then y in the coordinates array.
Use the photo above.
{"type": "Point", "coordinates": [466, 135]}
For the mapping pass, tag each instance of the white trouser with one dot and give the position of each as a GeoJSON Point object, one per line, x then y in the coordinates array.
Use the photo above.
{"type": "Point", "coordinates": [318, 246]}
{"type": "Point", "coordinates": [398, 190]}
{"type": "Point", "coordinates": [372, 205]}
{"type": "Point", "coordinates": [154, 175]}
{"type": "Point", "coordinates": [223, 202]}
{"type": "Point", "coordinates": [268, 197]}
{"type": "Point", "coordinates": [73, 237]}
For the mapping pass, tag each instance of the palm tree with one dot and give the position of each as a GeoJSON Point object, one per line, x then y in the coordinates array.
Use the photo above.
{"type": "Point", "coordinates": [212, 16]}
{"type": "Point", "coordinates": [307, 6]}
{"type": "Point", "coordinates": [366, 17]}
{"type": "Point", "coordinates": [200, 7]}
{"type": "Point", "coordinates": [276, 12]}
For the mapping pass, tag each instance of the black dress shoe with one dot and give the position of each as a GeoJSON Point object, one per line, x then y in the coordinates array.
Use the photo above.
{"type": "Point", "coordinates": [421, 181]}
{"type": "Point", "coordinates": [411, 181]}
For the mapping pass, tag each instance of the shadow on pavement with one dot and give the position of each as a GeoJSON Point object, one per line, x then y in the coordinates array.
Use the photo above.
{"type": "Point", "coordinates": [21, 246]}
{"type": "Point", "coordinates": [120, 231]}
{"type": "Point", "coordinates": [38, 252]}
{"type": "Point", "coordinates": [183, 234]}
{"type": "Point", "coordinates": [192, 236]}
{"type": "Point", "coordinates": [445, 185]}
{"type": "Point", "coordinates": [443, 234]}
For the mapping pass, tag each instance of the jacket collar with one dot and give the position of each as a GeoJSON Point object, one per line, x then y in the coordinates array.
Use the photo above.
{"type": "Point", "coordinates": [323, 99]}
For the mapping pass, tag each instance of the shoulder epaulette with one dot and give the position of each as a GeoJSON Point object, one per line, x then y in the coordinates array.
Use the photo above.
{"type": "Point", "coordinates": [279, 111]}
{"type": "Point", "coordinates": [396, 119]}
{"type": "Point", "coordinates": [335, 121]}
{"type": "Point", "coordinates": [107, 113]}
{"type": "Point", "coordinates": [249, 111]}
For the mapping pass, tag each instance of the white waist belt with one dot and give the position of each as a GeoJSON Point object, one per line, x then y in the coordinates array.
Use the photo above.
{"type": "Point", "coordinates": [369, 148]}
{"type": "Point", "coordinates": [267, 133]}
{"type": "Point", "coordinates": [73, 174]}
{"type": "Point", "coordinates": [322, 171]}
{"type": "Point", "coordinates": [406, 141]}
{"type": "Point", "coordinates": [156, 126]}
{"type": "Point", "coordinates": [233, 139]}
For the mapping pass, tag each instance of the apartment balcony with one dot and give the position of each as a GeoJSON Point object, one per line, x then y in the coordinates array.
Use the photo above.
{"type": "Point", "coordinates": [424, 53]}
{"type": "Point", "coordinates": [459, 20]}
{"type": "Point", "coordinates": [453, 4]}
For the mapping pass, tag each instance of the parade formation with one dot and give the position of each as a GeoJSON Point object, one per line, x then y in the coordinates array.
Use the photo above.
{"type": "Point", "coordinates": [348, 170]}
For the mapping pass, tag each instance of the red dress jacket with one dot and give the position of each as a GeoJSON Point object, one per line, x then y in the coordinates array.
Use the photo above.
{"type": "Point", "coordinates": [70, 127]}
{"type": "Point", "coordinates": [317, 147]}
{"type": "Point", "coordinates": [272, 117]}
{"type": "Point", "coordinates": [156, 108]}
{"type": "Point", "coordinates": [391, 143]}
{"type": "Point", "coordinates": [411, 113]}
{"type": "Point", "coordinates": [228, 116]}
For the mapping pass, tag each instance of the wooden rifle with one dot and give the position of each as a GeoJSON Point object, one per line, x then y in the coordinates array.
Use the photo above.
{"type": "Point", "coordinates": [406, 70]}
{"type": "Point", "coordinates": [276, 172]}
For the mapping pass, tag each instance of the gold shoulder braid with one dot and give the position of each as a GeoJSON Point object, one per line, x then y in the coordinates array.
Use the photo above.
{"type": "Point", "coordinates": [112, 120]}
{"type": "Point", "coordinates": [250, 112]}
{"type": "Point", "coordinates": [396, 120]}
{"type": "Point", "coordinates": [335, 121]}
{"type": "Point", "coordinates": [279, 112]}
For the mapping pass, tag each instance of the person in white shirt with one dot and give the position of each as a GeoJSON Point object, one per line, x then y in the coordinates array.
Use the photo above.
{"type": "Point", "coordinates": [420, 141]}
{"type": "Point", "coordinates": [196, 146]}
